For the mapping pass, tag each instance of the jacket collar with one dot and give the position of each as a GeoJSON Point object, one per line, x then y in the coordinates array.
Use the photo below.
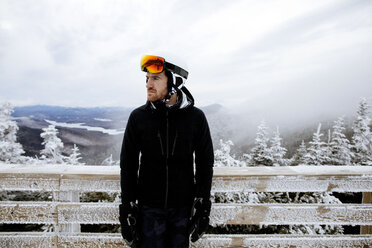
{"type": "Point", "coordinates": [184, 100]}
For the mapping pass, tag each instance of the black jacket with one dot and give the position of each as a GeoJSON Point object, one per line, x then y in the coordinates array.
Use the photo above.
{"type": "Point", "coordinates": [157, 156]}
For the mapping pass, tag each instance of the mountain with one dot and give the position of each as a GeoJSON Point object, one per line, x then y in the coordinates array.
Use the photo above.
{"type": "Point", "coordinates": [98, 132]}
{"type": "Point", "coordinates": [88, 128]}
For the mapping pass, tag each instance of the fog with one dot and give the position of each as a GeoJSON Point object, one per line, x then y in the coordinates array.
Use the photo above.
{"type": "Point", "coordinates": [288, 62]}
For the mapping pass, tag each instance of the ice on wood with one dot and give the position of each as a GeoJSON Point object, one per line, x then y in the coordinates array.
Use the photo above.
{"type": "Point", "coordinates": [289, 183]}
{"type": "Point", "coordinates": [254, 241]}
{"type": "Point", "coordinates": [89, 213]}
{"type": "Point", "coordinates": [292, 214]}
{"type": "Point", "coordinates": [26, 213]}
{"type": "Point", "coordinates": [21, 240]}
{"type": "Point", "coordinates": [91, 240]}
{"type": "Point", "coordinates": [75, 179]}
{"type": "Point", "coordinates": [86, 185]}
{"type": "Point", "coordinates": [213, 241]}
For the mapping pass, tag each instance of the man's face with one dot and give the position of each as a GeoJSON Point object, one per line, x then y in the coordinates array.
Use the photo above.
{"type": "Point", "coordinates": [157, 86]}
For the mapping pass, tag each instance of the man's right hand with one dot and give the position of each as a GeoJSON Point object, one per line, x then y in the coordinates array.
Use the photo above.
{"type": "Point", "coordinates": [128, 216]}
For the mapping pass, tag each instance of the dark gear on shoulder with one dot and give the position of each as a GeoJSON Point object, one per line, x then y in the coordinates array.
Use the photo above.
{"type": "Point", "coordinates": [199, 221]}
{"type": "Point", "coordinates": [128, 216]}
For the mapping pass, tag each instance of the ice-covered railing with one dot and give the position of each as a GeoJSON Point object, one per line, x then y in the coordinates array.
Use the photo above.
{"type": "Point", "coordinates": [66, 213]}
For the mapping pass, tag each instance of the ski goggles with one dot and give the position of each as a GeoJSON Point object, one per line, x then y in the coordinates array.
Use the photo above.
{"type": "Point", "coordinates": [156, 64]}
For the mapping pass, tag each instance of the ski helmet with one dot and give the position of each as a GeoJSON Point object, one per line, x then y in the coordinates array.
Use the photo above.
{"type": "Point", "coordinates": [175, 70]}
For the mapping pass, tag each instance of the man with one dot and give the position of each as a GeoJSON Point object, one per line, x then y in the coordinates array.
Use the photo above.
{"type": "Point", "coordinates": [163, 199]}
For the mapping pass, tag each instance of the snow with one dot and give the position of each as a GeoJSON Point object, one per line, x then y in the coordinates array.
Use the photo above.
{"type": "Point", "coordinates": [103, 120]}
{"type": "Point", "coordinates": [97, 178]}
{"type": "Point", "coordinates": [300, 170]}
{"type": "Point", "coordinates": [21, 212]}
{"type": "Point", "coordinates": [362, 137]}
{"type": "Point", "coordinates": [88, 213]}
{"type": "Point", "coordinates": [44, 240]}
{"type": "Point", "coordinates": [292, 184]}
{"type": "Point", "coordinates": [90, 185]}
{"type": "Point", "coordinates": [21, 240]}
{"type": "Point", "coordinates": [10, 150]}
{"type": "Point", "coordinates": [89, 128]}
{"type": "Point", "coordinates": [226, 179]}
{"type": "Point", "coordinates": [52, 152]}
{"type": "Point", "coordinates": [254, 241]}
{"type": "Point", "coordinates": [291, 214]}
{"type": "Point", "coordinates": [221, 214]}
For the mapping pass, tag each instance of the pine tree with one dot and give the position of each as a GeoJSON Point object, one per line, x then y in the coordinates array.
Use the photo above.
{"type": "Point", "coordinates": [317, 151]}
{"type": "Point", "coordinates": [109, 161]}
{"type": "Point", "coordinates": [299, 157]}
{"type": "Point", "coordinates": [277, 151]}
{"type": "Point", "coordinates": [222, 156]}
{"type": "Point", "coordinates": [339, 145]}
{"type": "Point", "coordinates": [10, 150]}
{"type": "Point", "coordinates": [260, 152]}
{"type": "Point", "coordinates": [327, 149]}
{"type": "Point", "coordinates": [52, 153]}
{"type": "Point", "coordinates": [362, 137]}
{"type": "Point", "coordinates": [75, 156]}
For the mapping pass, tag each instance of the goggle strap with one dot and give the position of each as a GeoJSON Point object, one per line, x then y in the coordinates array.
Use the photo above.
{"type": "Point", "coordinates": [178, 70]}
{"type": "Point", "coordinates": [182, 84]}
{"type": "Point", "coordinates": [174, 79]}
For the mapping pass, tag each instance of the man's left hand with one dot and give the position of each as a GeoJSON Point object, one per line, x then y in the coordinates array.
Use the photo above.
{"type": "Point", "coordinates": [200, 219]}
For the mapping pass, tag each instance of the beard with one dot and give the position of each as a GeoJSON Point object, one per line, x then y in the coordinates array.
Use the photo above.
{"type": "Point", "coordinates": [153, 95]}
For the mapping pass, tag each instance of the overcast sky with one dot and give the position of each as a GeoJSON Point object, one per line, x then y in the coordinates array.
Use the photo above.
{"type": "Point", "coordinates": [263, 55]}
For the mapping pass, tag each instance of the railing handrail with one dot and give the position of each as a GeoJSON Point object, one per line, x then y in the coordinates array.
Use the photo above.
{"type": "Point", "coordinates": [221, 213]}
{"type": "Point", "coordinates": [226, 179]}
{"type": "Point", "coordinates": [65, 212]}
{"type": "Point", "coordinates": [304, 170]}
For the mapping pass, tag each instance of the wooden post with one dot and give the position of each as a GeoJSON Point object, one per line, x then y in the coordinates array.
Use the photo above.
{"type": "Point", "coordinates": [63, 196]}
{"type": "Point", "coordinates": [367, 199]}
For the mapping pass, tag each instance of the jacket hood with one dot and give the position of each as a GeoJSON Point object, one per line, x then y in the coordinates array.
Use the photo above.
{"type": "Point", "coordinates": [184, 100]}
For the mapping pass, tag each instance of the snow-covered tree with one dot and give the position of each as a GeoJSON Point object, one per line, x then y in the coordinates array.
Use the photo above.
{"type": "Point", "coordinates": [277, 151]}
{"type": "Point", "coordinates": [260, 153]}
{"type": "Point", "coordinates": [317, 151]}
{"type": "Point", "coordinates": [74, 156]}
{"type": "Point", "coordinates": [299, 157]}
{"type": "Point", "coordinates": [340, 153]}
{"type": "Point", "coordinates": [52, 153]}
{"type": "Point", "coordinates": [10, 150]}
{"type": "Point", "coordinates": [362, 137]}
{"type": "Point", "coordinates": [110, 161]}
{"type": "Point", "coordinates": [222, 156]}
{"type": "Point", "coordinates": [327, 149]}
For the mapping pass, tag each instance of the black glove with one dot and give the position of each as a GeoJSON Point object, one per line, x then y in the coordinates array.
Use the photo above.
{"type": "Point", "coordinates": [128, 217]}
{"type": "Point", "coordinates": [199, 218]}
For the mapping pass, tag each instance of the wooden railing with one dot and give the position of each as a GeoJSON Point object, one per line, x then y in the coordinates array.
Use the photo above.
{"type": "Point", "coordinates": [66, 213]}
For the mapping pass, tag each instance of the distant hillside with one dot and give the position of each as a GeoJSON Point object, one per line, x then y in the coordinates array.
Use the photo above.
{"type": "Point", "coordinates": [95, 146]}
{"type": "Point", "coordinates": [91, 116]}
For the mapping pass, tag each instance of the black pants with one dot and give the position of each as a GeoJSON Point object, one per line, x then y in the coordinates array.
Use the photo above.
{"type": "Point", "coordinates": [164, 227]}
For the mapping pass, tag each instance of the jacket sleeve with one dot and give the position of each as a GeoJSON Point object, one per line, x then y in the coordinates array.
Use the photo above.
{"type": "Point", "coordinates": [129, 162]}
{"type": "Point", "coordinates": [204, 159]}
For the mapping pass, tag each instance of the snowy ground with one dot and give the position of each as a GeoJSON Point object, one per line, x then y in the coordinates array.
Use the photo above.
{"type": "Point", "coordinates": [89, 128]}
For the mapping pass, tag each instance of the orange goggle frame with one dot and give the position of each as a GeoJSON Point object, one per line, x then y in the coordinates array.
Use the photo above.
{"type": "Point", "coordinates": [156, 64]}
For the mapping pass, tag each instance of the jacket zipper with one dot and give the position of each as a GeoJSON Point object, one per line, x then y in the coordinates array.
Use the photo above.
{"type": "Point", "coordinates": [161, 143]}
{"type": "Point", "coordinates": [166, 162]}
{"type": "Point", "coordinates": [174, 143]}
